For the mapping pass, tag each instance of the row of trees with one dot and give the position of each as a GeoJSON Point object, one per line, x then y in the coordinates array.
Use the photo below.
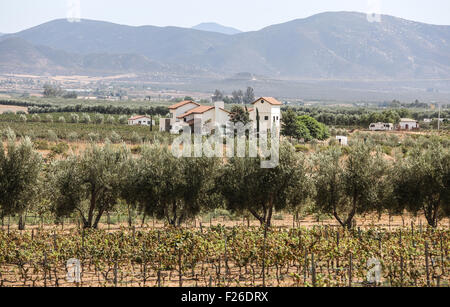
{"type": "Point", "coordinates": [102, 109]}
{"type": "Point", "coordinates": [75, 118]}
{"type": "Point", "coordinates": [361, 116]}
{"type": "Point", "coordinates": [237, 96]}
{"type": "Point", "coordinates": [158, 184]}
{"type": "Point", "coordinates": [51, 91]}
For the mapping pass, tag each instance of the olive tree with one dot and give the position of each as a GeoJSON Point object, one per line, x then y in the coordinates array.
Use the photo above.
{"type": "Point", "coordinates": [20, 169]}
{"type": "Point", "coordinates": [89, 184]}
{"type": "Point", "coordinates": [421, 183]}
{"type": "Point", "coordinates": [350, 185]}
{"type": "Point", "coordinates": [246, 186]}
{"type": "Point", "coordinates": [172, 188]}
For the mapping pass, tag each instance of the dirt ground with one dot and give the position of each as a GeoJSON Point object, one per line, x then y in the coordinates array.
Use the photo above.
{"type": "Point", "coordinates": [4, 109]}
{"type": "Point", "coordinates": [281, 220]}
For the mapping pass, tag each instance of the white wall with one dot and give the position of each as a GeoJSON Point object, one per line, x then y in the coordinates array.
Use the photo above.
{"type": "Point", "coordinates": [145, 121]}
{"type": "Point", "coordinates": [180, 111]}
{"type": "Point", "coordinates": [266, 110]}
{"type": "Point", "coordinates": [411, 125]}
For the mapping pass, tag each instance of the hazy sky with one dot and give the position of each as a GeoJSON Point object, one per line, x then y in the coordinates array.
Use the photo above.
{"type": "Point", "coordinates": [246, 15]}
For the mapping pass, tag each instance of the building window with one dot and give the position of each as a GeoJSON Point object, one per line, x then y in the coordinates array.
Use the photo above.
{"type": "Point", "coordinates": [266, 117]}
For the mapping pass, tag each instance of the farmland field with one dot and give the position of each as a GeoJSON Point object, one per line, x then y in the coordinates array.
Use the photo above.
{"type": "Point", "coordinates": [113, 197]}
{"type": "Point", "coordinates": [219, 256]}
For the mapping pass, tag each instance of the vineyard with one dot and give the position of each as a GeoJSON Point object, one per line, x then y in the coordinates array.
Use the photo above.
{"type": "Point", "coordinates": [232, 256]}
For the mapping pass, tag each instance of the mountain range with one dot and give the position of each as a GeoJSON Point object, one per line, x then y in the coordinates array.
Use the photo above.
{"type": "Point", "coordinates": [215, 27]}
{"type": "Point", "coordinates": [334, 45]}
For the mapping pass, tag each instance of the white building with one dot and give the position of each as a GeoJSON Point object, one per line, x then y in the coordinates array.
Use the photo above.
{"type": "Point", "coordinates": [381, 127]}
{"type": "Point", "coordinates": [269, 110]}
{"type": "Point", "coordinates": [343, 140]}
{"type": "Point", "coordinates": [140, 120]}
{"type": "Point", "coordinates": [192, 114]}
{"type": "Point", "coordinates": [207, 118]}
{"type": "Point", "coordinates": [408, 124]}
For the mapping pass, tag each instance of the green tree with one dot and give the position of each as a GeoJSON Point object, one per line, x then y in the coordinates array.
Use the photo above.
{"type": "Point", "coordinates": [292, 127]}
{"type": "Point", "coordinates": [239, 115]}
{"type": "Point", "coordinates": [422, 183]}
{"type": "Point", "coordinates": [246, 186]}
{"type": "Point", "coordinates": [317, 130]}
{"type": "Point", "coordinates": [352, 185]}
{"type": "Point", "coordinates": [51, 91]}
{"type": "Point", "coordinates": [89, 184]}
{"type": "Point", "coordinates": [20, 169]}
{"type": "Point", "coordinates": [238, 97]}
{"type": "Point", "coordinates": [175, 189]}
{"type": "Point", "coordinates": [217, 96]}
{"type": "Point", "coordinates": [249, 95]}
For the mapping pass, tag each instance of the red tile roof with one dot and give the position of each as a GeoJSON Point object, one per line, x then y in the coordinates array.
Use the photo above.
{"type": "Point", "coordinates": [180, 104]}
{"type": "Point", "coordinates": [138, 117]}
{"type": "Point", "coordinates": [270, 100]}
{"type": "Point", "coordinates": [197, 110]}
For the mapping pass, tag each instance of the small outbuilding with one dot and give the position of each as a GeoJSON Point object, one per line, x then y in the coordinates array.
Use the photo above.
{"type": "Point", "coordinates": [140, 120]}
{"type": "Point", "coordinates": [381, 127]}
{"type": "Point", "coordinates": [408, 124]}
{"type": "Point", "coordinates": [343, 140]}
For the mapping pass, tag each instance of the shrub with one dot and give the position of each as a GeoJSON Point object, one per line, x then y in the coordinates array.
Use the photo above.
{"type": "Point", "coordinates": [278, 217]}
{"type": "Point", "coordinates": [386, 149]}
{"type": "Point", "coordinates": [61, 120]}
{"type": "Point", "coordinates": [136, 138]}
{"type": "Point", "coordinates": [136, 150]}
{"type": "Point", "coordinates": [110, 120]}
{"type": "Point", "coordinates": [23, 118]}
{"type": "Point", "coordinates": [48, 118]}
{"type": "Point", "coordinates": [85, 118]}
{"type": "Point", "coordinates": [332, 142]}
{"type": "Point", "coordinates": [346, 150]}
{"type": "Point", "coordinates": [301, 148]}
{"type": "Point", "coordinates": [74, 118]}
{"type": "Point", "coordinates": [73, 136]}
{"type": "Point", "coordinates": [60, 148]}
{"type": "Point", "coordinates": [41, 145]}
{"type": "Point", "coordinates": [35, 118]}
{"type": "Point", "coordinates": [123, 119]}
{"type": "Point", "coordinates": [99, 118]}
{"type": "Point", "coordinates": [52, 136]}
{"type": "Point", "coordinates": [115, 137]}
{"type": "Point", "coordinates": [93, 137]}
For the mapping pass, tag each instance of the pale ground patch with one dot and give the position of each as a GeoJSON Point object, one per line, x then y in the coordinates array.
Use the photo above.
{"type": "Point", "coordinates": [4, 109]}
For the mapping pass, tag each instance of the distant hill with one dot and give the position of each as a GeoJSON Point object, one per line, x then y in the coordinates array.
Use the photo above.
{"type": "Point", "coordinates": [215, 27]}
{"type": "Point", "coordinates": [17, 55]}
{"type": "Point", "coordinates": [335, 45]}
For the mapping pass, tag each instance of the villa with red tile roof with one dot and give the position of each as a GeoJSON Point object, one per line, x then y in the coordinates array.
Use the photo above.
{"type": "Point", "coordinates": [269, 110]}
{"type": "Point", "coordinates": [207, 118]}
